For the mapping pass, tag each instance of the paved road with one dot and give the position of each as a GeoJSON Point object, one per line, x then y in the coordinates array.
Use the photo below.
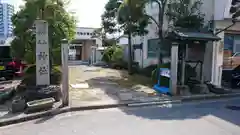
{"type": "Point", "coordinates": [189, 119]}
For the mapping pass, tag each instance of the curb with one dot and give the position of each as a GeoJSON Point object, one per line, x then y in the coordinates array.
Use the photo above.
{"type": "Point", "coordinates": [208, 97]}
{"type": "Point", "coordinates": [57, 111]}
{"type": "Point", "coordinates": [106, 106]}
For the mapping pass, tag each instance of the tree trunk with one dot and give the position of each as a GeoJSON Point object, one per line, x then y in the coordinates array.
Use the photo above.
{"type": "Point", "coordinates": [130, 72]}
{"type": "Point", "coordinates": [160, 36]}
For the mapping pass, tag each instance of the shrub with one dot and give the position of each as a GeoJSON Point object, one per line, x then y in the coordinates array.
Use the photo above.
{"type": "Point", "coordinates": [30, 70]}
{"type": "Point", "coordinates": [113, 54]}
{"type": "Point", "coordinates": [148, 70]}
{"type": "Point", "coordinates": [117, 54]}
{"type": "Point", "coordinates": [56, 56]}
{"type": "Point", "coordinates": [29, 78]}
{"type": "Point", "coordinates": [107, 54]}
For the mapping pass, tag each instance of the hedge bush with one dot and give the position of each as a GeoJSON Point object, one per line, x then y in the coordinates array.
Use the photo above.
{"type": "Point", "coordinates": [113, 54]}
{"type": "Point", "coordinates": [29, 78]}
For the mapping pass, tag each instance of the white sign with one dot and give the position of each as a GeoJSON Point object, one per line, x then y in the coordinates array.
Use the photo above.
{"type": "Point", "coordinates": [165, 73]}
{"type": "Point", "coordinates": [42, 53]}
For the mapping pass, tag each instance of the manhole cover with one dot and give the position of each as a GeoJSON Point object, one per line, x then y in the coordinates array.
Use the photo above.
{"type": "Point", "coordinates": [235, 108]}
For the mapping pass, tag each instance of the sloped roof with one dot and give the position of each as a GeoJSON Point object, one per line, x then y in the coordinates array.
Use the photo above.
{"type": "Point", "coordinates": [192, 35]}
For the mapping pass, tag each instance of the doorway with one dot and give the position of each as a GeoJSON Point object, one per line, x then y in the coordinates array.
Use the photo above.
{"type": "Point", "coordinates": [78, 52]}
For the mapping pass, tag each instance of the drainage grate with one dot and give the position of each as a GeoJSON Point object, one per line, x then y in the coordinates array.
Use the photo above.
{"type": "Point", "coordinates": [235, 108]}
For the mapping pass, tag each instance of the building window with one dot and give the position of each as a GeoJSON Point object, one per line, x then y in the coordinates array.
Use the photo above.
{"type": "Point", "coordinates": [152, 48]}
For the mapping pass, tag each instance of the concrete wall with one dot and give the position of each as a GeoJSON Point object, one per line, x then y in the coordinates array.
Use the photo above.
{"type": "Point", "coordinates": [221, 9]}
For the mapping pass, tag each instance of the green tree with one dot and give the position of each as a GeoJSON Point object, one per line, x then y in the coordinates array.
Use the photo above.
{"type": "Point", "coordinates": [132, 19]}
{"type": "Point", "coordinates": [159, 23]}
{"type": "Point", "coordinates": [185, 14]}
{"type": "Point", "coordinates": [109, 21]}
{"type": "Point", "coordinates": [61, 25]}
{"type": "Point", "coordinates": [101, 34]}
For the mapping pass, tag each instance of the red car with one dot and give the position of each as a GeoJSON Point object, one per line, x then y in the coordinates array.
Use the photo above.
{"type": "Point", "coordinates": [9, 68]}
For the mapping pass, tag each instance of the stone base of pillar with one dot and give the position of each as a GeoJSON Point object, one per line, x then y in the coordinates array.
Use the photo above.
{"type": "Point", "coordinates": [183, 90]}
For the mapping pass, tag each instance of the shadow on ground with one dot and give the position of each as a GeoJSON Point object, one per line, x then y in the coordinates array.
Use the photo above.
{"type": "Point", "coordinates": [125, 88]}
{"type": "Point", "coordinates": [122, 93]}
{"type": "Point", "coordinates": [5, 112]}
{"type": "Point", "coordinates": [216, 111]}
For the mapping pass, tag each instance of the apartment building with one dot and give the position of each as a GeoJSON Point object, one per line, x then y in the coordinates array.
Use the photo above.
{"type": "Point", "coordinates": [6, 27]}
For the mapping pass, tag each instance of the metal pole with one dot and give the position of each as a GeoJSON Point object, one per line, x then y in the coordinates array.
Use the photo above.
{"type": "Point", "coordinates": [65, 83]}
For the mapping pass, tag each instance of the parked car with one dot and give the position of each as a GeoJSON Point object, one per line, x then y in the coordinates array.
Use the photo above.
{"type": "Point", "coordinates": [5, 57]}
{"type": "Point", "coordinates": [9, 67]}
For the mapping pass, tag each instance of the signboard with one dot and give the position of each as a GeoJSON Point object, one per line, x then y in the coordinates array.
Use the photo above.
{"type": "Point", "coordinates": [165, 72]}
{"type": "Point", "coordinates": [138, 46]}
{"type": "Point", "coordinates": [42, 53]}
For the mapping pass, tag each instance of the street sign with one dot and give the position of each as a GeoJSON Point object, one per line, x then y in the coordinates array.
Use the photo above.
{"type": "Point", "coordinates": [42, 53]}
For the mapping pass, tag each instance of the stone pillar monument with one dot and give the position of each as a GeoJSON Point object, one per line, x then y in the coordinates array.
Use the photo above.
{"type": "Point", "coordinates": [42, 53]}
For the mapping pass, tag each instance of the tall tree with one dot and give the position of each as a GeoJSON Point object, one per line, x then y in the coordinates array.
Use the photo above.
{"type": "Point", "coordinates": [185, 14]}
{"type": "Point", "coordinates": [109, 21]}
{"type": "Point", "coordinates": [159, 23]}
{"type": "Point", "coordinates": [61, 25]}
{"type": "Point", "coordinates": [132, 20]}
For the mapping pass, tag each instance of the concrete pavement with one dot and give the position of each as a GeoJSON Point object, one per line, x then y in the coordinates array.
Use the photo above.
{"type": "Point", "coordinates": [96, 86]}
{"type": "Point", "coordinates": [209, 118]}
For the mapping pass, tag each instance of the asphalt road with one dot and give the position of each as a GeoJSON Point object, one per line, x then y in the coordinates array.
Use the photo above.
{"type": "Point", "coordinates": [210, 118]}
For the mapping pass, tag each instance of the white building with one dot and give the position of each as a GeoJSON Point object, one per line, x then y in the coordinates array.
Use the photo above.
{"type": "Point", "coordinates": [85, 46]}
{"type": "Point", "coordinates": [6, 27]}
{"type": "Point", "coordinates": [217, 10]}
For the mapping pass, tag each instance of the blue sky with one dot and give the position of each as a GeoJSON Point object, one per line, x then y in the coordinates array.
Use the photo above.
{"type": "Point", "coordinates": [88, 12]}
